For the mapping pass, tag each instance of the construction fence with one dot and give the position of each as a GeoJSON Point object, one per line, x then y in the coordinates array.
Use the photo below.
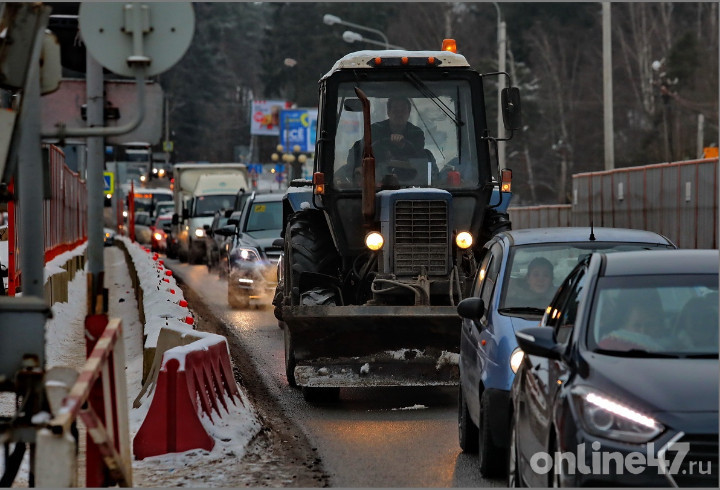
{"type": "Point", "coordinates": [678, 200]}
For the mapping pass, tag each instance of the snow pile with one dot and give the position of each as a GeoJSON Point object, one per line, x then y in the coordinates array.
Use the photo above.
{"type": "Point", "coordinates": [55, 266]}
{"type": "Point", "coordinates": [163, 301]}
{"type": "Point", "coordinates": [165, 307]}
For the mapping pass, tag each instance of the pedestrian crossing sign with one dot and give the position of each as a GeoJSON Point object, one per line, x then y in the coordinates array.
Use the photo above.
{"type": "Point", "coordinates": [108, 182]}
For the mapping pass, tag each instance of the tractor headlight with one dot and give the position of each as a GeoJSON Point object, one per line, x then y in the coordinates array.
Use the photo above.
{"type": "Point", "coordinates": [464, 240]}
{"type": "Point", "coordinates": [199, 232]}
{"type": "Point", "coordinates": [374, 241]}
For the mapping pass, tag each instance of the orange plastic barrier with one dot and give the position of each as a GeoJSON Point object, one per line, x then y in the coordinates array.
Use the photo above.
{"type": "Point", "coordinates": [194, 379]}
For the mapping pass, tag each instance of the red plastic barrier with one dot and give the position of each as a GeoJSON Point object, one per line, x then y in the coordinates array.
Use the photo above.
{"type": "Point", "coordinates": [172, 423]}
{"type": "Point", "coordinates": [64, 217]}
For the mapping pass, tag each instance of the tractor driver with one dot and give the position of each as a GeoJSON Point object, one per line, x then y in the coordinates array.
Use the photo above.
{"type": "Point", "coordinates": [393, 139]}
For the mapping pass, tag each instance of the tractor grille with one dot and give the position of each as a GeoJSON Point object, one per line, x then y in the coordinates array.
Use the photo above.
{"type": "Point", "coordinates": [421, 237]}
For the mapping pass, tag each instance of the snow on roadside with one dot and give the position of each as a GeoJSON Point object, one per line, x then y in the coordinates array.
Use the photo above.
{"type": "Point", "coordinates": [232, 431]}
{"type": "Point", "coordinates": [65, 346]}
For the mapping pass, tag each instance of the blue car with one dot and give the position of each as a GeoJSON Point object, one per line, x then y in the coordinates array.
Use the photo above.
{"type": "Point", "coordinates": [517, 278]}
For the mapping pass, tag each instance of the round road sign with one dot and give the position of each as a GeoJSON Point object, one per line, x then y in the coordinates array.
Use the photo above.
{"type": "Point", "coordinates": [107, 29]}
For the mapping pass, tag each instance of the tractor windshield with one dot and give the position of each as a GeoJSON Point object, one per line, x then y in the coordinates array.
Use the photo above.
{"type": "Point", "coordinates": [423, 134]}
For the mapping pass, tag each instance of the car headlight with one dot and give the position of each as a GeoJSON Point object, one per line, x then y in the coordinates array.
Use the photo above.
{"type": "Point", "coordinates": [244, 254]}
{"type": "Point", "coordinates": [158, 236]}
{"type": "Point", "coordinates": [603, 416]}
{"type": "Point", "coordinates": [199, 232]}
{"type": "Point", "coordinates": [516, 359]}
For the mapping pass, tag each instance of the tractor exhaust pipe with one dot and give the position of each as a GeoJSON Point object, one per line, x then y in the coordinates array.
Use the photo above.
{"type": "Point", "coordinates": [368, 163]}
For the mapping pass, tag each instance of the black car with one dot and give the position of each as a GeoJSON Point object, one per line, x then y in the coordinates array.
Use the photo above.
{"type": "Point", "coordinates": [253, 254]}
{"type": "Point", "coordinates": [214, 241]}
{"type": "Point", "coordinates": [619, 384]}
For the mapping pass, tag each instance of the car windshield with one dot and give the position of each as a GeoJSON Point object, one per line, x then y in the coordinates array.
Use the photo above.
{"type": "Point", "coordinates": [663, 314]}
{"type": "Point", "coordinates": [438, 147]}
{"type": "Point", "coordinates": [143, 219]}
{"type": "Point", "coordinates": [207, 205]}
{"type": "Point", "coordinates": [265, 216]}
{"type": "Point", "coordinates": [534, 272]}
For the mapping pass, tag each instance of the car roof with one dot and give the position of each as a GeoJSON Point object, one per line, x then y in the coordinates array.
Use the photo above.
{"type": "Point", "coordinates": [582, 234]}
{"type": "Point", "coordinates": [661, 262]}
{"type": "Point", "coordinates": [268, 197]}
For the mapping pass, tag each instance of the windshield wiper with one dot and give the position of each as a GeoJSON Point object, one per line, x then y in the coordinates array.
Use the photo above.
{"type": "Point", "coordinates": [522, 309]}
{"type": "Point", "coordinates": [637, 353]}
{"type": "Point", "coordinates": [427, 92]}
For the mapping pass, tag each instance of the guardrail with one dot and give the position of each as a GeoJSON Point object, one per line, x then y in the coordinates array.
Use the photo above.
{"type": "Point", "coordinates": [99, 398]}
{"type": "Point", "coordinates": [64, 216]}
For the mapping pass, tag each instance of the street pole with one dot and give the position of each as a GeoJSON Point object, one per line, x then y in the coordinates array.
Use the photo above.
{"type": "Point", "coordinates": [608, 87]}
{"type": "Point", "coordinates": [332, 19]}
{"type": "Point", "coordinates": [95, 118]}
{"type": "Point", "coordinates": [502, 50]}
{"type": "Point", "coordinates": [502, 40]}
{"type": "Point", "coordinates": [700, 133]}
{"type": "Point", "coordinates": [167, 130]}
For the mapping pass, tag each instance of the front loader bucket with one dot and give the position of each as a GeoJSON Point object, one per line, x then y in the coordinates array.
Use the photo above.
{"type": "Point", "coordinates": [343, 346]}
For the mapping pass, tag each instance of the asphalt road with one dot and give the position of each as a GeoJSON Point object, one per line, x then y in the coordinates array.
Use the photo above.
{"type": "Point", "coordinates": [389, 437]}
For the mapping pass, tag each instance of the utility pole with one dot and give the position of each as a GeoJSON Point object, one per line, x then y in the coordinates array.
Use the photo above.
{"type": "Point", "coordinates": [608, 87]}
{"type": "Point", "coordinates": [95, 247]}
{"type": "Point", "coordinates": [502, 49]}
{"type": "Point", "coordinates": [700, 132]}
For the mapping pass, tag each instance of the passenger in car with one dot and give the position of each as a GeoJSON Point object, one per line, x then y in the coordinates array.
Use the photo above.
{"type": "Point", "coordinates": [536, 289]}
{"type": "Point", "coordinates": [642, 327]}
{"type": "Point", "coordinates": [697, 323]}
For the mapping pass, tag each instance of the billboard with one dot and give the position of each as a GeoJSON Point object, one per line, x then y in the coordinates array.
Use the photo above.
{"type": "Point", "coordinates": [265, 119]}
{"type": "Point", "coordinates": [298, 127]}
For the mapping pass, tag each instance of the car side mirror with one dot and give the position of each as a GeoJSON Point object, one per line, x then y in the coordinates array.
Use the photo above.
{"type": "Point", "coordinates": [279, 242]}
{"type": "Point", "coordinates": [206, 227]}
{"type": "Point", "coordinates": [224, 232]}
{"type": "Point", "coordinates": [175, 219]}
{"type": "Point", "coordinates": [228, 213]}
{"type": "Point", "coordinates": [539, 341]}
{"type": "Point", "coordinates": [471, 308]}
{"type": "Point", "coordinates": [512, 117]}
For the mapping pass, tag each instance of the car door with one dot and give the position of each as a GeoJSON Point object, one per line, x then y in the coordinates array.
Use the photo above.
{"type": "Point", "coordinates": [470, 343]}
{"type": "Point", "coordinates": [538, 387]}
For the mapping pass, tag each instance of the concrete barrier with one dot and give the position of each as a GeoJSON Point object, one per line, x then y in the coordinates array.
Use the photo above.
{"type": "Point", "coordinates": [193, 380]}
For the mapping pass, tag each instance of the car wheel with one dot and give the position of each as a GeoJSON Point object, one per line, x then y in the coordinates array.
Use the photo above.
{"type": "Point", "coordinates": [289, 359]}
{"type": "Point", "coordinates": [314, 394]}
{"type": "Point", "coordinates": [513, 468]}
{"type": "Point", "coordinates": [490, 456]}
{"type": "Point", "coordinates": [467, 430]}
